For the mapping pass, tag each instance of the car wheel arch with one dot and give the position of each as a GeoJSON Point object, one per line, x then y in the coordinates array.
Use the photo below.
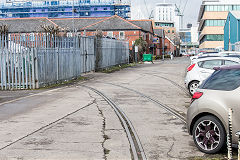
{"type": "Point", "coordinates": [202, 115]}
{"type": "Point", "coordinates": [192, 82]}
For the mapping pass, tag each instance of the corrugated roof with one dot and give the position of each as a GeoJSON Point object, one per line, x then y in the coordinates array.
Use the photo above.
{"type": "Point", "coordinates": [112, 23]}
{"type": "Point", "coordinates": [146, 25]}
{"type": "Point", "coordinates": [26, 25]}
{"type": "Point", "coordinates": [67, 23]}
{"type": "Point", "coordinates": [236, 14]}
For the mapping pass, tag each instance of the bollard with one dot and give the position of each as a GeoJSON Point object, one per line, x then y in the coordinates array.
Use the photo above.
{"type": "Point", "coordinates": [238, 135]}
{"type": "Point", "coordinates": [229, 137]}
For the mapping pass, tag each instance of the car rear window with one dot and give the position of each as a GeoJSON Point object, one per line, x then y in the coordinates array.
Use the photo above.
{"type": "Point", "coordinates": [226, 80]}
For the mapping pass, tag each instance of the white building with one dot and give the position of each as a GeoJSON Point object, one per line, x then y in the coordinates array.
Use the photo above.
{"type": "Point", "coordinates": [194, 34]}
{"type": "Point", "coordinates": [165, 15]}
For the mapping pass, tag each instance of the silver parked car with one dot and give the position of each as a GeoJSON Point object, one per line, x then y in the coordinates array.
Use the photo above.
{"type": "Point", "coordinates": [207, 117]}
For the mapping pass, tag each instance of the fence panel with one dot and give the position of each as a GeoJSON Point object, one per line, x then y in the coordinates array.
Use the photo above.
{"type": "Point", "coordinates": [36, 60]}
{"type": "Point", "coordinates": [16, 65]}
{"type": "Point", "coordinates": [112, 52]}
{"type": "Point", "coordinates": [74, 57]}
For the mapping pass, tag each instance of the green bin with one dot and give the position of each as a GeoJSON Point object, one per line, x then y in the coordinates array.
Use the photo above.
{"type": "Point", "coordinates": [147, 57]}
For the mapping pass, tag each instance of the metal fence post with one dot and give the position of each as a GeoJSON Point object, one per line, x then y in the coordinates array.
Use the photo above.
{"type": "Point", "coordinates": [36, 81]}
{"type": "Point", "coordinates": [229, 137]}
{"type": "Point", "coordinates": [238, 135]}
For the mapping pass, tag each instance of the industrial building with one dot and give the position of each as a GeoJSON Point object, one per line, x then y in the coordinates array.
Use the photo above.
{"type": "Point", "coordinates": [212, 18]}
{"type": "Point", "coordinates": [232, 30]}
{"type": "Point", "coordinates": [64, 8]}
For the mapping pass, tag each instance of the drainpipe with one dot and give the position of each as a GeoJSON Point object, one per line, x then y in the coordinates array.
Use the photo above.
{"type": "Point", "coordinates": [229, 43]}
{"type": "Point", "coordinates": [237, 30]}
{"type": "Point", "coordinates": [237, 34]}
{"type": "Point", "coordinates": [163, 43]}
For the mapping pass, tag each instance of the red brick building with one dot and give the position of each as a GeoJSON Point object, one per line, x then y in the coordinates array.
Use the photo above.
{"type": "Point", "coordinates": [169, 46]}
{"type": "Point", "coordinates": [119, 28]}
{"type": "Point", "coordinates": [159, 36]}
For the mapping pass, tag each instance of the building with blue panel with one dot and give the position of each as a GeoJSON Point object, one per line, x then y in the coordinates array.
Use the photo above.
{"type": "Point", "coordinates": [64, 8]}
{"type": "Point", "coordinates": [232, 30]}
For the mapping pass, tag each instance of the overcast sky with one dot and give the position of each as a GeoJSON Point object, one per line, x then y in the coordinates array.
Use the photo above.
{"type": "Point", "coordinates": [190, 15]}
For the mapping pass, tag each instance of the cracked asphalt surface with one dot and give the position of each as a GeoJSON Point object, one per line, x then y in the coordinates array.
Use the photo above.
{"type": "Point", "coordinates": [73, 122]}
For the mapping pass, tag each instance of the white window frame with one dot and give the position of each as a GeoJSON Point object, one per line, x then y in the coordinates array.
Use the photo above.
{"type": "Point", "coordinates": [110, 34]}
{"type": "Point", "coordinates": [121, 37]}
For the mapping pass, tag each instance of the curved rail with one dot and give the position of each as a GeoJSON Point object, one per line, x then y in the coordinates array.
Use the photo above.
{"type": "Point", "coordinates": [45, 126]}
{"type": "Point", "coordinates": [174, 83]}
{"type": "Point", "coordinates": [133, 138]}
{"type": "Point", "coordinates": [164, 106]}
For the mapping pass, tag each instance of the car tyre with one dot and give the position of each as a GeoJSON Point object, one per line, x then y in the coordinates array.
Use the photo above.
{"type": "Point", "coordinates": [209, 134]}
{"type": "Point", "coordinates": [193, 86]}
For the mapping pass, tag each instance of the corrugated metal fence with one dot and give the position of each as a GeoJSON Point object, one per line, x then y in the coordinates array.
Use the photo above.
{"type": "Point", "coordinates": [33, 61]}
{"type": "Point", "coordinates": [111, 52]}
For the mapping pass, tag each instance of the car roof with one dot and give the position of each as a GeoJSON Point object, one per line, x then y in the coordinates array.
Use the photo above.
{"type": "Point", "coordinates": [210, 52]}
{"type": "Point", "coordinates": [227, 52]}
{"type": "Point", "coordinates": [227, 67]}
{"type": "Point", "coordinates": [216, 57]}
{"type": "Point", "coordinates": [206, 57]}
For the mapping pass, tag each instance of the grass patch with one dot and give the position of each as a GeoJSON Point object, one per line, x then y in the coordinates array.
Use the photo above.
{"type": "Point", "coordinates": [117, 68]}
{"type": "Point", "coordinates": [106, 151]}
{"type": "Point", "coordinates": [65, 83]}
{"type": "Point", "coordinates": [106, 137]}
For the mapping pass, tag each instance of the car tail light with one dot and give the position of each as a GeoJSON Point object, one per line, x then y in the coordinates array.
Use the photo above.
{"type": "Point", "coordinates": [196, 95]}
{"type": "Point", "coordinates": [190, 67]}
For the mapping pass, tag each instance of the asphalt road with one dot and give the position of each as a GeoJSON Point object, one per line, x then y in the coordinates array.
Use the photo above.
{"type": "Point", "coordinates": [73, 122]}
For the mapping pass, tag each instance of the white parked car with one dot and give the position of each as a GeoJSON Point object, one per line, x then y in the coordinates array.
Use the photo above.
{"type": "Point", "coordinates": [204, 54]}
{"type": "Point", "coordinates": [202, 68]}
{"type": "Point", "coordinates": [214, 54]}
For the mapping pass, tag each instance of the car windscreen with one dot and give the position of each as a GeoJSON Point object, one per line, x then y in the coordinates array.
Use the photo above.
{"type": "Point", "coordinates": [226, 80]}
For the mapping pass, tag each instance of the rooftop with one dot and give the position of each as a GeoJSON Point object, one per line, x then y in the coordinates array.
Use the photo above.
{"type": "Point", "coordinates": [27, 25]}
{"type": "Point", "coordinates": [236, 14]}
{"type": "Point", "coordinates": [33, 25]}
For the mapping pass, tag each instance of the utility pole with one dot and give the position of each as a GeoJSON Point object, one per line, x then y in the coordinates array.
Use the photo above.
{"type": "Point", "coordinates": [73, 17]}
{"type": "Point", "coordinates": [163, 43]}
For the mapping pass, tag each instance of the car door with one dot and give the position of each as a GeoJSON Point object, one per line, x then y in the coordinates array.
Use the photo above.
{"type": "Point", "coordinates": [234, 102]}
{"type": "Point", "coordinates": [230, 98]}
{"type": "Point", "coordinates": [206, 68]}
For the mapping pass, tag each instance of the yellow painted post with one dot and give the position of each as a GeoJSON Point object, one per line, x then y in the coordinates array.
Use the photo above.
{"type": "Point", "coordinates": [238, 135]}
{"type": "Point", "coordinates": [229, 137]}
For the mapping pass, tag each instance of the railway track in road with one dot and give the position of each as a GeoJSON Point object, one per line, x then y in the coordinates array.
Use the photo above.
{"type": "Point", "coordinates": [171, 81]}
{"type": "Point", "coordinates": [45, 126]}
{"type": "Point", "coordinates": [136, 146]}
{"type": "Point", "coordinates": [135, 143]}
{"type": "Point", "coordinates": [174, 83]}
{"type": "Point", "coordinates": [158, 103]}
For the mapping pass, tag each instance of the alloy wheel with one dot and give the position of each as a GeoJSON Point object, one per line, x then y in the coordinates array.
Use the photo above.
{"type": "Point", "coordinates": [207, 135]}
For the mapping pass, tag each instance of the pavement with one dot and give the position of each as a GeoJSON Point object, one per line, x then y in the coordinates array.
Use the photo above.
{"type": "Point", "coordinates": [72, 122]}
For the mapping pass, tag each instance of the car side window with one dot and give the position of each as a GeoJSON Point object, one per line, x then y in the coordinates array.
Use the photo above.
{"type": "Point", "coordinates": [210, 64]}
{"type": "Point", "coordinates": [229, 63]}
